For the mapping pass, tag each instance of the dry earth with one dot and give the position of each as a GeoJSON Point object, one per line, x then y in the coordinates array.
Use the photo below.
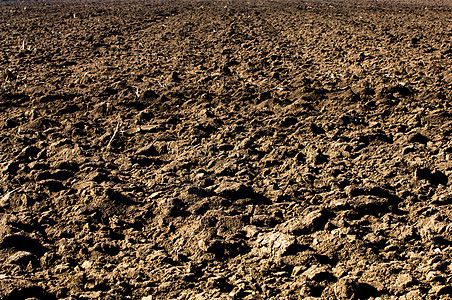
{"type": "Point", "coordinates": [225, 150]}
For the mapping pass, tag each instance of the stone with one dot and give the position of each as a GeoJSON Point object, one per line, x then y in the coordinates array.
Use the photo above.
{"type": "Point", "coordinates": [87, 264]}
{"type": "Point", "coordinates": [273, 244]}
{"type": "Point", "coordinates": [404, 280]}
{"type": "Point", "coordinates": [22, 258]}
{"type": "Point", "coordinates": [318, 273]}
{"type": "Point", "coordinates": [148, 150]}
{"type": "Point", "coordinates": [309, 223]}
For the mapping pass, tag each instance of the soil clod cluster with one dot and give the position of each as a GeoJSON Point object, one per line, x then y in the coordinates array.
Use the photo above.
{"type": "Point", "coordinates": [225, 149]}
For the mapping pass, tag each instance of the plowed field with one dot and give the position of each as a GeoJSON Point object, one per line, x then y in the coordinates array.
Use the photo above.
{"type": "Point", "coordinates": [225, 150]}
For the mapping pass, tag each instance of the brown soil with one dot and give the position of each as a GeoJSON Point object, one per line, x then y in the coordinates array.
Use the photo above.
{"type": "Point", "coordinates": [225, 150]}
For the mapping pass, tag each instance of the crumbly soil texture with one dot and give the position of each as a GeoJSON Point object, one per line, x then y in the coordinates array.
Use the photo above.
{"type": "Point", "coordinates": [225, 150]}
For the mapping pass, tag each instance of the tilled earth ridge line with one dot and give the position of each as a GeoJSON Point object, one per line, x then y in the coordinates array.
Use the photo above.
{"type": "Point", "coordinates": [225, 150]}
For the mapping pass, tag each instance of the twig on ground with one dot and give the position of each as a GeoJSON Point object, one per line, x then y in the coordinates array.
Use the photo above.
{"type": "Point", "coordinates": [114, 133]}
